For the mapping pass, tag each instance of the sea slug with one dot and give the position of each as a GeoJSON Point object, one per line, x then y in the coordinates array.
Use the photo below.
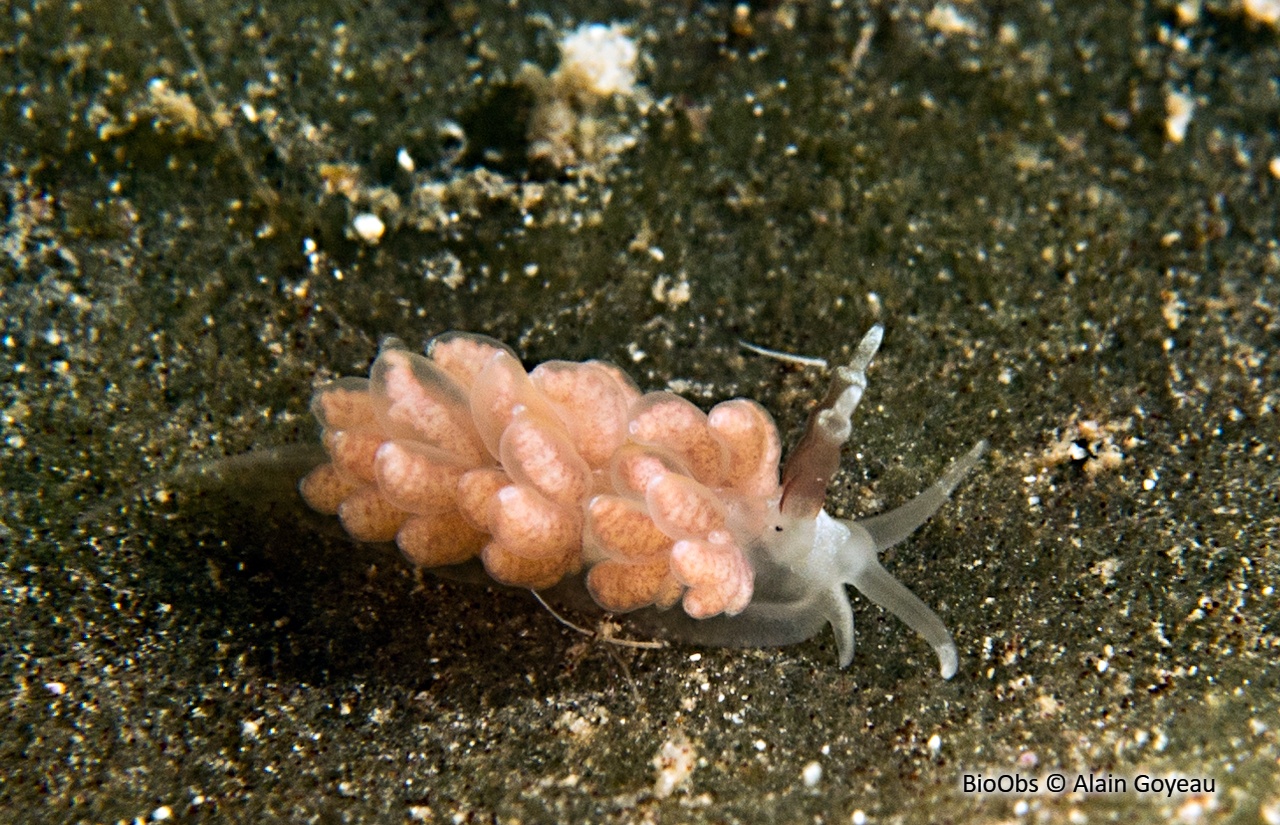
{"type": "Point", "coordinates": [568, 477]}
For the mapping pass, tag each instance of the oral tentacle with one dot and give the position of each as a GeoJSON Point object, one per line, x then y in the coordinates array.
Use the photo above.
{"type": "Point", "coordinates": [874, 582]}
{"type": "Point", "coordinates": [887, 529]}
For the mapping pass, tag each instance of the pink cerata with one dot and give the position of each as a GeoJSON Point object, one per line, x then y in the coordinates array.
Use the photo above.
{"type": "Point", "coordinates": [569, 476]}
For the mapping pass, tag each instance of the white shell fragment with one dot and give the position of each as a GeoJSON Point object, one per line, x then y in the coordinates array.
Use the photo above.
{"type": "Point", "coordinates": [369, 227]}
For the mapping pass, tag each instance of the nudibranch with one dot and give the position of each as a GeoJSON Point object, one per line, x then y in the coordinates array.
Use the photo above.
{"type": "Point", "coordinates": [569, 477]}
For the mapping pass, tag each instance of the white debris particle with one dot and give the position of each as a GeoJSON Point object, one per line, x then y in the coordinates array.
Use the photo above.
{"type": "Point", "coordinates": [1179, 106]}
{"type": "Point", "coordinates": [599, 59]}
{"type": "Point", "coordinates": [935, 744]}
{"type": "Point", "coordinates": [874, 303]}
{"type": "Point", "coordinates": [946, 19]}
{"type": "Point", "coordinates": [582, 725]}
{"type": "Point", "coordinates": [1274, 167]}
{"type": "Point", "coordinates": [1173, 307]}
{"type": "Point", "coordinates": [174, 110]}
{"type": "Point", "coordinates": [760, 745]}
{"type": "Point", "coordinates": [1264, 11]}
{"type": "Point", "coordinates": [162, 813]}
{"type": "Point", "coordinates": [249, 728]}
{"type": "Point", "coordinates": [447, 269]}
{"type": "Point", "coordinates": [858, 818]}
{"type": "Point", "coordinates": [1106, 569]}
{"type": "Point", "coordinates": [1194, 809]}
{"type": "Point", "coordinates": [812, 774]}
{"type": "Point", "coordinates": [405, 160]}
{"type": "Point", "coordinates": [675, 294]}
{"type": "Point", "coordinates": [56, 688]}
{"type": "Point", "coordinates": [568, 124]}
{"type": "Point", "coordinates": [674, 761]}
{"type": "Point", "coordinates": [369, 227]}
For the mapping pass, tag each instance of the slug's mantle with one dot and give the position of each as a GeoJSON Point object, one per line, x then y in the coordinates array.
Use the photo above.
{"type": "Point", "coordinates": [570, 470]}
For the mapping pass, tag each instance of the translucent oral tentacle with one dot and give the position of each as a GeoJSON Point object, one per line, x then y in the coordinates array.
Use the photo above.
{"type": "Point", "coordinates": [874, 582]}
{"type": "Point", "coordinates": [817, 457]}
{"type": "Point", "coordinates": [887, 529]}
{"type": "Point", "coordinates": [834, 604]}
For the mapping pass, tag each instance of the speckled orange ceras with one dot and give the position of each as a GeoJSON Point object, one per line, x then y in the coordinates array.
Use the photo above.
{"type": "Point", "coordinates": [570, 470]}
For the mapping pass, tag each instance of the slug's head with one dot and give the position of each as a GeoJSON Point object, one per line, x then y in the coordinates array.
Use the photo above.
{"type": "Point", "coordinates": [821, 554]}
